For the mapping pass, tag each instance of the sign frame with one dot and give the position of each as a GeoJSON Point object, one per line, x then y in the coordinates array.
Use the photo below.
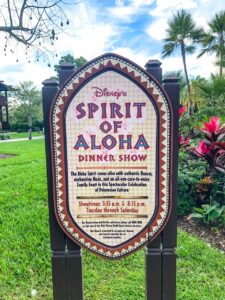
{"type": "Point", "coordinates": [160, 255]}
{"type": "Point", "coordinates": [65, 93]}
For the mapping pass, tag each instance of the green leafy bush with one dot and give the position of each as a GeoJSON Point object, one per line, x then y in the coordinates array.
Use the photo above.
{"type": "Point", "coordinates": [23, 127]}
{"type": "Point", "coordinates": [213, 214]}
{"type": "Point", "coordinates": [190, 172]}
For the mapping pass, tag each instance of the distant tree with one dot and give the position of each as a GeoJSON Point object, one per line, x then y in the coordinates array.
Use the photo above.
{"type": "Point", "coordinates": [69, 58]}
{"type": "Point", "coordinates": [26, 106]}
{"type": "Point", "coordinates": [32, 23]}
{"type": "Point", "coordinates": [182, 35]}
{"type": "Point", "coordinates": [198, 102]}
{"type": "Point", "coordinates": [213, 40]}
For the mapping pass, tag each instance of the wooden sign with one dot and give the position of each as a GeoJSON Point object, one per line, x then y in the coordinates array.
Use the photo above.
{"type": "Point", "coordinates": [111, 143]}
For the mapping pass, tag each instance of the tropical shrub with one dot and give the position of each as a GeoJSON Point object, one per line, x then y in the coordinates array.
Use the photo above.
{"type": "Point", "coordinates": [202, 190]}
{"type": "Point", "coordinates": [190, 172]}
{"type": "Point", "coordinates": [209, 192]}
{"type": "Point", "coordinates": [213, 214]}
{"type": "Point", "coordinates": [201, 181]}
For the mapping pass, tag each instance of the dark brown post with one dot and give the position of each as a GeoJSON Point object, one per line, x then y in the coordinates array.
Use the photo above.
{"type": "Point", "coordinates": [65, 71]}
{"type": "Point", "coordinates": [73, 258]}
{"type": "Point", "coordinates": [154, 69]}
{"type": "Point", "coordinates": [153, 258]}
{"type": "Point", "coordinates": [161, 253]}
{"type": "Point", "coordinates": [56, 234]}
{"type": "Point", "coordinates": [66, 255]}
{"type": "Point", "coordinates": [74, 271]}
{"type": "Point", "coordinates": [169, 234]}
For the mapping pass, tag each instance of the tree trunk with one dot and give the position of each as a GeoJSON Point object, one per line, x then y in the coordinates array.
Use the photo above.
{"type": "Point", "coordinates": [221, 54]}
{"type": "Point", "coordinates": [221, 63]}
{"type": "Point", "coordinates": [186, 77]}
{"type": "Point", "coordinates": [30, 126]}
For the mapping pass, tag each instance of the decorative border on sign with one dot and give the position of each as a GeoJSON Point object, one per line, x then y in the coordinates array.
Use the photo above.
{"type": "Point", "coordinates": [111, 61]}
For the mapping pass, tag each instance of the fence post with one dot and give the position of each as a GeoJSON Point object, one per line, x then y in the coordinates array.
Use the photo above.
{"type": "Point", "coordinates": [57, 236]}
{"type": "Point", "coordinates": [153, 258]}
{"type": "Point", "coordinates": [66, 255]}
{"type": "Point", "coordinates": [169, 234]}
{"type": "Point", "coordinates": [73, 254]}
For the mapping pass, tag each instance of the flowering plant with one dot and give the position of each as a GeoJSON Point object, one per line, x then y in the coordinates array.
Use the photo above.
{"type": "Point", "coordinates": [212, 148]}
{"type": "Point", "coordinates": [182, 110]}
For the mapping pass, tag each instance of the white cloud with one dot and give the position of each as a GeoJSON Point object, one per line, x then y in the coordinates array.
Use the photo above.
{"type": "Point", "coordinates": [89, 37]}
{"type": "Point", "coordinates": [124, 13]}
{"type": "Point", "coordinates": [136, 3]}
{"type": "Point", "coordinates": [202, 66]}
{"type": "Point", "coordinates": [119, 2]}
{"type": "Point", "coordinates": [164, 8]}
{"type": "Point", "coordinates": [163, 11]}
{"type": "Point", "coordinates": [13, 72]}
{"type": "Point", "coordinates": [157, 29]}
{"type": "Point", "coordinates": [90, 41]}
{"type": "Point", "coordinates": [139, 3]}
{"type": "Point", "coordinates": [201, 10]}
{"type": "Point", "coordinates": [92, 34]}
{"type": "Point", "coordinates": [23, 72]}
{"type": "Point", "coordinates": [140, 58]}
{"type": "Point", "coordinates": [127, 12]}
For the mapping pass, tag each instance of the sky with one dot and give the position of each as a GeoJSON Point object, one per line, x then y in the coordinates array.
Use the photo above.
{"type": "Point", "coordinates": [132, 28]}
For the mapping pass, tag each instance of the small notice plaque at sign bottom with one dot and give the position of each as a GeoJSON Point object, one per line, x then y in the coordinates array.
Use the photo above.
{"type": "Point", "coordinates": [111, 144]}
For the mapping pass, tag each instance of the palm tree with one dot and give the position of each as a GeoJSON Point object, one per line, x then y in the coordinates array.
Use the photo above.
{"type": "Point", "coordinates": [182, 34]}
{"type": "Point", "coordinates": [213, 41]}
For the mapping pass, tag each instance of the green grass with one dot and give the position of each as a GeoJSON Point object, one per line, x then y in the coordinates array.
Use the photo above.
{"type": "Point", "coordinates": [25, 250]}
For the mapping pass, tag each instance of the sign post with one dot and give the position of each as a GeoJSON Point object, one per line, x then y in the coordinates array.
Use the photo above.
{"type": "Point", "coordinates": [66, 255]}
{"type": "Point", "coordinates": [111, 145]}
{"type": "Point", "coordinates": [161, 253]}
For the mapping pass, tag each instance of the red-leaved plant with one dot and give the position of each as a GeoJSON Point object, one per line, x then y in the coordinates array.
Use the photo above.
{"type": "Point", "coordinates": [212, 148]}
{"type": "Point", "coordinates": [183, 142]}
{"type": "Point", "coordinates": [182, 110]}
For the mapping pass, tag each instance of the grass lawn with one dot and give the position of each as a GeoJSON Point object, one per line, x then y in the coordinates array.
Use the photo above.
{"type": "Point", "coordinates": [25, 250]}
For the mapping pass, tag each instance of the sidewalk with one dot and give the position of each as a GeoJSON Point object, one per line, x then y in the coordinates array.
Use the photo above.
{"type": "Point", "coordinates": [22, 139]}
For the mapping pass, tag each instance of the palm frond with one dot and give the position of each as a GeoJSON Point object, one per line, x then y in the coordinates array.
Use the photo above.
{"type": "Point", "coordinates": [168, 49]}
{"type": "Point", "coordinates": [190, 49]}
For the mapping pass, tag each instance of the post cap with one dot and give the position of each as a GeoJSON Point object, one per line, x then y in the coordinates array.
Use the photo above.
{"type": "Point", "coordinates": [66, 66]}
{"type": "Point", "coordinates": [171, 79]}
{"type": "Point", "coordinates": [50, 82]}
{"type": "Point", "coordinates": [153, 63]}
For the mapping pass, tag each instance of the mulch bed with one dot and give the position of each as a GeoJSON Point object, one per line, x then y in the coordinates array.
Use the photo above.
{"type": "Point", "coordinates": [212, 236]}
